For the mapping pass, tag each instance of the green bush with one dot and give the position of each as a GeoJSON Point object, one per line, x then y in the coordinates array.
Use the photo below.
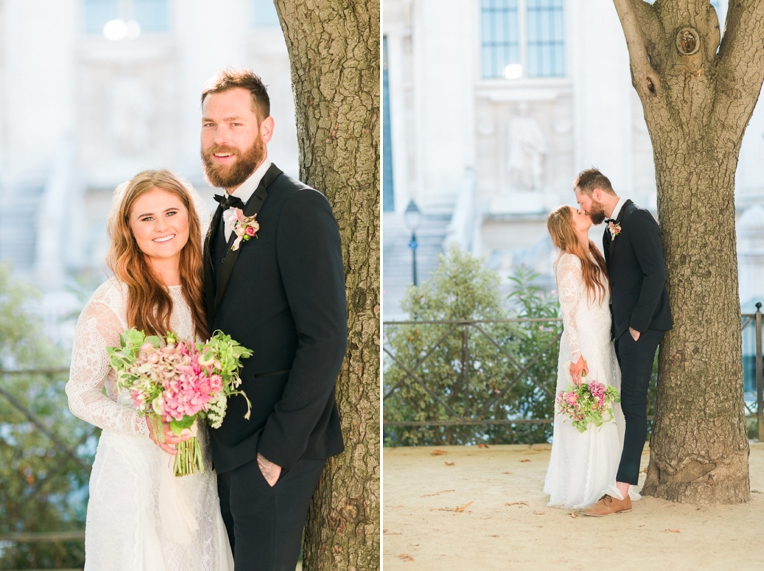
{"type": "Point", "coordinates": [470, 369]}
{"type": "Point", "coordinates": [41, 487]}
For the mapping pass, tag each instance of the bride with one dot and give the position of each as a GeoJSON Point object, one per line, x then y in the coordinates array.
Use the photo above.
{"type": "Point", "coordinates": [140, 517]}
{"type": "Point", "coordinates": [583, 466]}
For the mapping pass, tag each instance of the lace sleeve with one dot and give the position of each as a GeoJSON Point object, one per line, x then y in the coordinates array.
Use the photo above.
{"type": "Point", "coordinates": [97, 328]}
{"type": "Point", "coordinates": [569, 286]}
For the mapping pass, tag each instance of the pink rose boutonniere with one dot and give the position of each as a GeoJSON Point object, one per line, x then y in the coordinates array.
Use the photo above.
{"type": "Point", "coordinates": [615, 229]}
{"type": "Point", "coordinates": [245, 227]}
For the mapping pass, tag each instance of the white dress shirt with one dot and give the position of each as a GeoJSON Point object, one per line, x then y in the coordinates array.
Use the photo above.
{"type": "Point", "coordinates": [617, 209]}
{"type": "Point", "coordinates": [245, 192]}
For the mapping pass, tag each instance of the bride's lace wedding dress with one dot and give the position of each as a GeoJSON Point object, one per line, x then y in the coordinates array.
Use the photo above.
{"type": "Point", "coordinates": [126, 529]}
{"type": "Point", "coordinates": [583, 467]}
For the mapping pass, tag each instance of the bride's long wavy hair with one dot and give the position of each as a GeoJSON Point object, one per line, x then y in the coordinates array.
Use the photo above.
{"type": "Point", "coordinates": [149, 305]}
{"type": "Point", "coordinates": [560, 226]}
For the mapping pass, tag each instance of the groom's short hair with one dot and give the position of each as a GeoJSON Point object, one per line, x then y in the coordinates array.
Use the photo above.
{"type": "Point", "coordinates": [231, 78]}
{"type": "Point", "coordinates": [589, 179]}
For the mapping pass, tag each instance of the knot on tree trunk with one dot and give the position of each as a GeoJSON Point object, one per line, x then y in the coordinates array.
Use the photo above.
{"type": "Point", "coordinates": [687, 41]}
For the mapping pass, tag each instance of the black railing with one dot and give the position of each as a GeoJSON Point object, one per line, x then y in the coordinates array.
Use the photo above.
{"type": "Point", "coordinates": [431, 359]}
{"type": "Point", "coordinates": [49, 467]}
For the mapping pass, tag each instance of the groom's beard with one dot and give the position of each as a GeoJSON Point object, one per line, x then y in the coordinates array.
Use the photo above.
{"type": "Point", "coordinates": [222, 176]}
{"type": "Point", "coordinates": [597, 213]}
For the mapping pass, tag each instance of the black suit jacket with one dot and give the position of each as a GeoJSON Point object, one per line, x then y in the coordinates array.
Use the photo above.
{"type": "Point", "coordinates": [637, 273]}
{"type": "Point", "coordinates": [282, 295]}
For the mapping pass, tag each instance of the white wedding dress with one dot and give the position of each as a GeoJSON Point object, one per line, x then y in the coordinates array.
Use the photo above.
{"type": "Point", "coordinates": [135, 515]}
{"type": "Point", "coordinates": [583, 466]}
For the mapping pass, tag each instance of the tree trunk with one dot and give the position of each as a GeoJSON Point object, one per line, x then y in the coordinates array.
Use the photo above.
{"type": "Point", "coordinates": [334, 52]}
{"type": "Point", "coordinates": [697, 97]}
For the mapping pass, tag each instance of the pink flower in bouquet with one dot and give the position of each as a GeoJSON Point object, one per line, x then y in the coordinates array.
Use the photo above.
{"type": "Point", "coordinates": [175, 382]}
{"type": "Point", "coordinates": [250, 231]}
{"type": "Point", "coordinates": [571, 397]}
{"type": "Point", "coordinates": [216, 383]}
{"type": "Point", "coordinates": [138, 397]}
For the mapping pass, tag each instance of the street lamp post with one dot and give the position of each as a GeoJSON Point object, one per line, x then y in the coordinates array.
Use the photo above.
{"type": "Point", "coordinates": [412, 216]}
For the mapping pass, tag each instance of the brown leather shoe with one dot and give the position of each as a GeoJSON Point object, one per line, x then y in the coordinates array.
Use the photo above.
{"type": "Point", "coordinates": [609, 505]}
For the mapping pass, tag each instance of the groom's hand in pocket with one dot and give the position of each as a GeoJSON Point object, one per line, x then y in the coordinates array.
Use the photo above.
{"type": "Point", "coordinates": [634, 333]}
{"type": "Point", "coordinates": [271, 471]}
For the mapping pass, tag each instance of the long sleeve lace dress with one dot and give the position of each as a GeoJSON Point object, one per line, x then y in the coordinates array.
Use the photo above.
{"type": "Point", "coordinates": [125, 529]}
{"type": "Point", "coordinates": [583, 466]}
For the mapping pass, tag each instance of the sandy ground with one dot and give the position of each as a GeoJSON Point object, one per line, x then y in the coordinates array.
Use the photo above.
{"type": "Point", "coordinates": [488, 511]}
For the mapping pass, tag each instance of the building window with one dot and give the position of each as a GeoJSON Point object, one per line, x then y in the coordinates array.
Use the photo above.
{"type": "Point", "coordinates": [501, 40]}
{"type": "Point", "coordinates": [265, 15]}
{"type": "Point", "coordinates": [98, 12]}
{"type": "Point", "coordinates": [522, 38]}
{"type": "Point", "coordinates": [546, 57]}
{"type": "Point", "coordinates": [388, 190]}
{"type": "Point", "coordinates": [151, 15]}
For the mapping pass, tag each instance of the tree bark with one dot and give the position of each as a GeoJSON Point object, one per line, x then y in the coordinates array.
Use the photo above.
{"type": "Point", "coordinates": [334, 52]}
{"type": "Point", "coordinates": [697, 96]}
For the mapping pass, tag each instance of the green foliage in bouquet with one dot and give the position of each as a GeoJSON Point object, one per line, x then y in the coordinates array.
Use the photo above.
{"type": "Point", "coordinates": [588, 403]}
{"type": "Point", "coordinates": [176, 381]}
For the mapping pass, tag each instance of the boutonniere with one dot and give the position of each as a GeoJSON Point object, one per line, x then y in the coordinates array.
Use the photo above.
{"type": "Point", "coordinates": [615, 229]}
{"type": "Point", "coordinates": [245, 227]}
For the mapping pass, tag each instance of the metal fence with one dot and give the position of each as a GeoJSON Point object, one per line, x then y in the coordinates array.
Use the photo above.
{"type": "Point", "coordinates": [407, 353]}
{"type": "Point", "coordinates": [54, 465]}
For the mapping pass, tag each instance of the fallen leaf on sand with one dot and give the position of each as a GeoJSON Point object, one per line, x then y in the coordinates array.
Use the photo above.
{"type": "Point", "coordinates": [525, 460]}
{"type": "Point", "coordinates": [573, 515]}
{"type": "Point", "coordinates": [516, 504]}
{"type": "Point", "coordinates": [438, 452]}
{"type": "Point", "coordinates": [757, 492]}
{"type": "Point", "coordinates": [391, 533]}
{"type": "Point", "coordinates": [405, 557]}
{"type": "Point", "coordinates": [436, 493]}
{"type": "Point", "coordinates": [538, 512]}
{"type": "Point", "coordinates": [449, 463]}
{"type": "Point", "coordinates": [493, 536]}
{"type": "Point", "coordinates": [673, 530]}
{"type": "Point", "coordinates": [506, 472]}
{"type": "Point", "coordinates": [464, 507]}
{"type": "Point", "coordinates": [643, 470]}
{"type": "Point", "coordinates": [481, 445]}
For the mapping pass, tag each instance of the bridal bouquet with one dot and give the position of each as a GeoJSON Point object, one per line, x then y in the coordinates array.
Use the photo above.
{"type": "Point", "coordinates": [587, 403]}
{"type": "Point", "coordinates": [178, 381]}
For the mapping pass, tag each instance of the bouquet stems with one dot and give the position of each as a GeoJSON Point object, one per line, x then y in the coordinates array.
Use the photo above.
{"type": "Point", "coordinates": [189, 460]}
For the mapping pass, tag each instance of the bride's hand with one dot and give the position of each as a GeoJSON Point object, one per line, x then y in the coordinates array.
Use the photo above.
{"type": "Point", "coordinates": [576, 369]}
{"type": "Point", "coordinates": [168, 439]}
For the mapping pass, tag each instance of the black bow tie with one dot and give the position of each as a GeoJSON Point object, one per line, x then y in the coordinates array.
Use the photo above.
{"type": "Point", "coordinates": [609, 220]}
{"type": "Point", "coordinates": [229, 201]}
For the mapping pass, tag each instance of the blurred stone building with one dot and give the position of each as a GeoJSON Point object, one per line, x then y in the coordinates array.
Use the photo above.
{"type": "Point", "coordinates": [491, 109]}
{"type": "Point", "coordinates": [94, 91]}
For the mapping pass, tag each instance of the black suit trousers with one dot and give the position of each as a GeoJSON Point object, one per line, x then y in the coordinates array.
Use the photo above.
{"type": "Point", "coordinates": [636, 361]}
{"type": "Point", "coordinates": [270, 518]}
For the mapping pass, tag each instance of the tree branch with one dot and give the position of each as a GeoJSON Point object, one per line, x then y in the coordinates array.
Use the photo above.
{"type": "Point", "coordinates": [638, 20]}
{"type": "Point", "coordinates": [740, 72]}
{"type": "Point", "coordinates": [742, 51]}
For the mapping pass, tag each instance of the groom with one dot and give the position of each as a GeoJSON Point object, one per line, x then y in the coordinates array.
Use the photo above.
{"type": "Point", "coordinates": [280, 293]}
{"type": "Point", "coordinates": [640, 313]}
